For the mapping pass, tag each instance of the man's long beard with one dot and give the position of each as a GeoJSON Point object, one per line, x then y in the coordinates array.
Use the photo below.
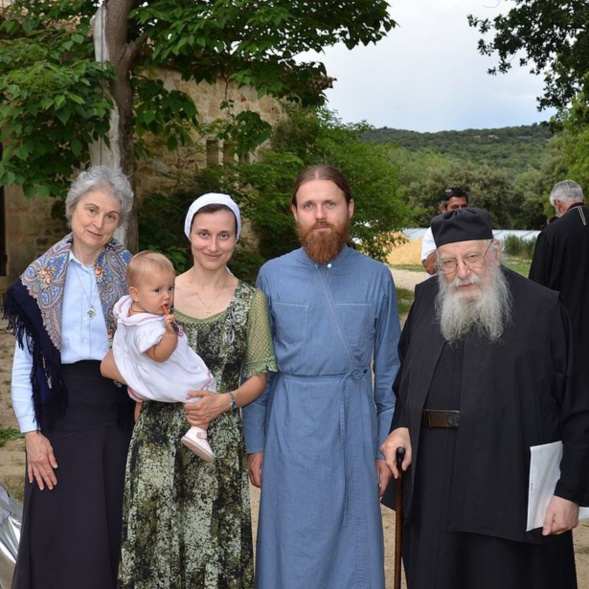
{"type": "Point", "coordinates": [486, 311]}
{"type": "Point", "coordinates": [323, 246]}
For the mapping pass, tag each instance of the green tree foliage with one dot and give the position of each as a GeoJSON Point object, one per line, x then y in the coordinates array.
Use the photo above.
{"type": "Point", "coordinates": [425, 174]}
{"type": "Point", "coordinates": [551, 37]}
{"type": "Point", "coordinates": [573, 145]}
{"type": "Point", "coordinates": [50, 109]}
{"type": "Point", "coordinates": [309, 138]}
{"type": "Point", "coordinates": [55, 98]}
{"type": "Point", "coordinates": [262, 190]}
{"type": "Point", "coordinates": [513, 187]}
{"type": "Point", "coordinates": [519, 248]}
{"type": "Point", "coordinates": [513, 149]}
{"type": "Point", "coordinates": [530, 192]}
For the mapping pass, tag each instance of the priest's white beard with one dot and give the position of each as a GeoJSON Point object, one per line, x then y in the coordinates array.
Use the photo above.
{"type": "Point", "coordinates": [485, 311]}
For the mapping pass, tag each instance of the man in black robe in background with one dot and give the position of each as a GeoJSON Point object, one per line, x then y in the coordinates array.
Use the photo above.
{"type": "Point", "coordinates": [488, 370]}
{"type": "Point", "coordinates": [561, 256]}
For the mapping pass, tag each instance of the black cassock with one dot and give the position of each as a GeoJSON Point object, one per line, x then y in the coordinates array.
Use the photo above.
{"type": "Point", "coordinates": [466, 492]}
{"type": "Point", "coordinates": [561, 262]}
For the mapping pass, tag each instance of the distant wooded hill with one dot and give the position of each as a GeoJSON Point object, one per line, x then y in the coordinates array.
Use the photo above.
{"type": "Point", "coordinates": [513, 149]}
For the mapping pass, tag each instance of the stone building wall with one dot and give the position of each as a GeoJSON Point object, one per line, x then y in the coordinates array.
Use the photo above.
{"type": "Point", "coordinates": [33, 224]}
{"type": "Point", "coordinates": [172, 171]}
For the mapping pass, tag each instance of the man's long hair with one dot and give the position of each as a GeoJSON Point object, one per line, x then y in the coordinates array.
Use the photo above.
{"type": "Point", "coordinates": [321, 172]}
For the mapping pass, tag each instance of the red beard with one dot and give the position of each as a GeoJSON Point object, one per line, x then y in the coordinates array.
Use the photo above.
{"type": "Point", "coordinates": [323, 246]}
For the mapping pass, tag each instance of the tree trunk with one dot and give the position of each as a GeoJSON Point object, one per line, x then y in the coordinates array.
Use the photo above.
{"type": "Point", "coordinates": [110, 44]}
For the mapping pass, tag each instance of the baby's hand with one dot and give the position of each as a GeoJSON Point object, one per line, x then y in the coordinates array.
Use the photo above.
{"type": "Point", "coordinates": [169, 321]}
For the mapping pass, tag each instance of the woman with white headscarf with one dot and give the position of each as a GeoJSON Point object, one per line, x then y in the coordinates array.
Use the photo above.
{"type": "Point", "coordinates": [186, 522]}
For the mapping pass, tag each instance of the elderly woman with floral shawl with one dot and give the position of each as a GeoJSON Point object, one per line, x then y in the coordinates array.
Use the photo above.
{"type": "Point", "coordinates": [76, 423]}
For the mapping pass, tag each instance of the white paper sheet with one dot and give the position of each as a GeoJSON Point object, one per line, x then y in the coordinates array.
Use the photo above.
{"type": "Point", "coordinates": [544, 474]}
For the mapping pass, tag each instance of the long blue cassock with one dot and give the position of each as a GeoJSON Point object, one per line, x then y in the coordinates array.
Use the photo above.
{"type": "Point", "coordinates": [321, 421]}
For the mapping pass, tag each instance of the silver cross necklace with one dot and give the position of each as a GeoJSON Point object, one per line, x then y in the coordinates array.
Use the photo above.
{"type": "Point", "coordinates": [91, 311]}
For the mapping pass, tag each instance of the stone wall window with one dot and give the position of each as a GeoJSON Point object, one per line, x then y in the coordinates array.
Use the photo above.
{"type": "Point", "coordinates": [228, 153]}
{"type": "Point", "coordinates": [213, 152]}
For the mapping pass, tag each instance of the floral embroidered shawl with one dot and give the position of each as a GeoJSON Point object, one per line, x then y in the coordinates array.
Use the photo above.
{"type": "Point", "coordinates": [33, 306]}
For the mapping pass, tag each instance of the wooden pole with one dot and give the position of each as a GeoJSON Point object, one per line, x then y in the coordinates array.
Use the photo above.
{"type": "Point", "coordinates": [400, 454]}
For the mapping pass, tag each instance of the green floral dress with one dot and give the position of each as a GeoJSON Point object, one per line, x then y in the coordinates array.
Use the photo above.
{"type": "Point", "coordinates": [186, 523]}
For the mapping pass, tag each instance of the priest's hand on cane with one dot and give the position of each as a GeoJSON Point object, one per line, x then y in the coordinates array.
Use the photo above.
{"type": "Point", "coordinates": [398, 438]}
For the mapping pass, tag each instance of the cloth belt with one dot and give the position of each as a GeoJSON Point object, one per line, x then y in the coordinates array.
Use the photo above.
{"type": "Point", "coordinates": [431, 418]}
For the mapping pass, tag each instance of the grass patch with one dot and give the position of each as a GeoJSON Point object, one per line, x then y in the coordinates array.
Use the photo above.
{"type": "Point", "coordinates": [404, 299]}
{"type": "Point", "coordinates": [8, 433]}
{"type": "Point", "coordinates": [519, 265]}
{"type": "Point", "coordinates": [15, 486]}
{"type": "Point", "coordinates": [411, 267]}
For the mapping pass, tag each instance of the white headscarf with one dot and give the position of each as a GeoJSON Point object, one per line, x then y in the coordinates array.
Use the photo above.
{"type": "Point", "coordinates": [212, 198]}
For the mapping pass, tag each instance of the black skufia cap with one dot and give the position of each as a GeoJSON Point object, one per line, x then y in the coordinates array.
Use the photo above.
{"type": "Point", "coordinates": [461, 225]}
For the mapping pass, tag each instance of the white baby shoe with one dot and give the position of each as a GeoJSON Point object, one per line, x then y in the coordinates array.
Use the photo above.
{"type": "Point", "coordinates": [196, 439]}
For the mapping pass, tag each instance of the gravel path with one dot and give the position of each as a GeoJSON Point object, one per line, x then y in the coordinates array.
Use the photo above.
{"type": "Point", "coordinates": [408, 278]}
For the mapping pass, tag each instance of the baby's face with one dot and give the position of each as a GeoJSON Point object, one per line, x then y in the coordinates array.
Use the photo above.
{"type": "Point", "coordinates": [154, 291]}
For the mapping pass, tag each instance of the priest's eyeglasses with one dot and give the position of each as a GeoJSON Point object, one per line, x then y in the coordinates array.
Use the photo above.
{"type": "Point", "coordinates": [471, 261]}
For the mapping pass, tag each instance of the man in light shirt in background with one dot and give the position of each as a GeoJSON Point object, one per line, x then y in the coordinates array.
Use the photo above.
{"type": "Point", "coordinates": [452, 200]}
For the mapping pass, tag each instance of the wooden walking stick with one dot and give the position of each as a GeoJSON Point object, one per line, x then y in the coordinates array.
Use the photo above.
{"type": "Point", "coordinates": [400, 454]}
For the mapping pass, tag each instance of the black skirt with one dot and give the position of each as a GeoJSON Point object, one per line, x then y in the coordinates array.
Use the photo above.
{"type": "Point", "coordinates": [70, 537]}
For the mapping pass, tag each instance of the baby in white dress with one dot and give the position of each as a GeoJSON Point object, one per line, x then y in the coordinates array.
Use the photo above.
{"type": "Point", "coordinates": [151, 352]}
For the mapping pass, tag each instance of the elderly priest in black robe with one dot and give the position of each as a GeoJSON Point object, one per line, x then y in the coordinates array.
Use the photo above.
{"type": "Point", "coordinates": [561, 257]}
{"type": "Point", "coordinates": [488, 370]}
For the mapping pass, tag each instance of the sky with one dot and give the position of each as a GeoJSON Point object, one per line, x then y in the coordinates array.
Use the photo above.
{"type": "Point", "coordinates": [427, 74]}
